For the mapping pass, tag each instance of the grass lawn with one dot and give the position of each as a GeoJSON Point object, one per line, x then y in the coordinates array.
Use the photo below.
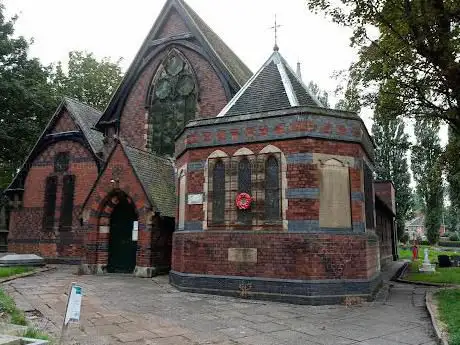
{"type": "Point", "coordinates": [9, 310]}
{"type": "Point", "coordinates": [449, 275]}
{"type": "Point", "coordinates": [432, 253]}
{"type": "Point", "coordinates": [11, 271]}
{"type": "Point", "coordinates": [449, 312]}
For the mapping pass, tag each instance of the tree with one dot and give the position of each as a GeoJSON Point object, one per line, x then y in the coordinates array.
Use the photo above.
{"type": "Point", "coordinates": [426, 167]}
{"type": "Point", "coordinates": [26, 100]}
{"type": "Point", "coordinates": [413, 43]}
{"type": "Point", "coordinates": [321, 95]}
{"type": "Point", "coordinates": [392, 145]}
{"type": "Point", "coordinates": [88, 79]}
{"type": "Point", "coordinates": [351, 100]}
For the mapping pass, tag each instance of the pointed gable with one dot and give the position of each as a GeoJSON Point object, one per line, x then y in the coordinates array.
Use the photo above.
{"type": "Point", "coordinates": [72, 118]}
{"type": "Point", "coordinates": [274, 87]}
{"type": "Point", "coordinates": [179, 24]}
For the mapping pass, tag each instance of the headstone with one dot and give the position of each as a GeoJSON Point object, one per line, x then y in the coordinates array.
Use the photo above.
{"type": "Point", "coordinates": [444, 261]}
{"type": "Point", "coordinates": [21, 260]}
{"type": "Point", "coordinates": [427, 266]}
{"type": "Point", "coordinates": [455, 259]}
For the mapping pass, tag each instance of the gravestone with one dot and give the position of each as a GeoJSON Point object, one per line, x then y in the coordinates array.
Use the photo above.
{"type": "Point", "coordinates": [444, 261]}
{"type": "Point", "coordinates": [455, 259]}
{"type": "Point", "coordinates": [21, 260]}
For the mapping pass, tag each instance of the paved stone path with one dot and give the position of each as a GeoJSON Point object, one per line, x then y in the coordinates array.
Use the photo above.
{"type": "Point", "coordinates": [120, 309]}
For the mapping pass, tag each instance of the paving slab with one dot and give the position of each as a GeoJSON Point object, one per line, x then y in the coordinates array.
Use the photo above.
{"type": "Point", "coordinates": [121, 309]}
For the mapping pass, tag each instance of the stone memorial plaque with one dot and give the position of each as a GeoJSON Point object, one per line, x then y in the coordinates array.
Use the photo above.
{"type": "Point", "coordinates": [195, 199]}
{"type": "Point", "coordinates": [242, 254]}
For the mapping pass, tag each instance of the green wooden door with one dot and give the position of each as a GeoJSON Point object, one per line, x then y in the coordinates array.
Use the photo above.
{"type": "Point", "coordinates": [122, 249]}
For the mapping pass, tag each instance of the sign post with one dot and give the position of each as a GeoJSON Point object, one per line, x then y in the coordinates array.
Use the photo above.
{"type": "Point", "coordinates": [73, 309]}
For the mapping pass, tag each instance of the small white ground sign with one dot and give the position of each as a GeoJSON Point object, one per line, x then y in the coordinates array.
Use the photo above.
{"type": "Point", "coordinates": [73, 304]}
{"type": "Point", "coordinates": [135, 230]}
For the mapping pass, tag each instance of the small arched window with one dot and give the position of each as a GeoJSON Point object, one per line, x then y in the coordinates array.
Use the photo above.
{"type": "Point", "coordinates": [244, 186]}
{"type": "Point", "coordinates": [218, 192]}
{"type": "Point", "coordinates": [272, 189]}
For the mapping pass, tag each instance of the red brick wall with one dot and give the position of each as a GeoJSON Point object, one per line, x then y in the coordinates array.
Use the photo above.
{"type": "Point", "coordinates": [173, 25]}
{"type": "Point", "coordinates": [285, 256]}
{"type": "Point", "coordinates": [212, 96]}
{"type": "Point", "coordinates": [386, 192]}
{"type": "Point", "coordinates": [26, 222]}
{"type": "Point", "coordinates": [298, 175]}
{"type": "Point", "coordinates": [64, 123]}
{"type": "Point", "coordinates": [118, 167]}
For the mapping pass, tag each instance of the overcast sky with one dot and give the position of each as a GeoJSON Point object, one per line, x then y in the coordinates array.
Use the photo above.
{"type": "Point", "coordinates": [115, 28]}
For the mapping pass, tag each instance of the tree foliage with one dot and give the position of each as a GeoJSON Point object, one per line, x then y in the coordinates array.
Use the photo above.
{"type": "Point", "coordinates": [321, 95]}
{"type": "Point", "coordinates": [392, 146]}
{"type": "Point", "coordinates": [26, 99]}
{"type": "Point", "coordinates": [351, 100]}
{"type": "Point", "coordinates": [414, 44]}
{"type": "Point", "coordinates": [30, 92]}
{"type": "Point", "coordinates": [87, 79]}
{"type": "Point", "coordinates": [426, 167]}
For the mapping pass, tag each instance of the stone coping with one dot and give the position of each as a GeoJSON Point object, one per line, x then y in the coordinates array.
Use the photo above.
{"type": "Point", "coordinates": [26, 274]}
{"type": "Point", "coordinates": [439, 327]}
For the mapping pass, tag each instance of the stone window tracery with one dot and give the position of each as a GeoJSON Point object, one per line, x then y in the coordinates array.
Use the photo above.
{"type": "Point", "coordinates": [172, 102]}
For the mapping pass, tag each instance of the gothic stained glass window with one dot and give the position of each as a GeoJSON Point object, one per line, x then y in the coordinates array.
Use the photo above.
{"type": "Point", "coordinates": [172, 102]}
{"type": "Point", "coordinates": [218, 193]}
{"type": "Point", "coordinates": [244, 186]}
{"type": "Point", "coordinates": [50, 203]}
{"type": "Point", "coordinates": [272, 189]}
{"type": "Point", "coordinates": [68, 191]}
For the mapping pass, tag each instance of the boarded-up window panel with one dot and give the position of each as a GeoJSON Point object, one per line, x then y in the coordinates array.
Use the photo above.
{"type": "Point", "coordinates": [218, 193]}
{"type": "Point", "coordinates": [244, 186]}
{"type": "Point", "coordinates": [50, 203]}
{"type": "Point", "coordinates": [68, 192]}
{"type": "Point", "coordinates": [369, 197]}
{"type": "Point", "coordinates": [272, 189]}
{"type": "Point", "coordinates": [334, 201]}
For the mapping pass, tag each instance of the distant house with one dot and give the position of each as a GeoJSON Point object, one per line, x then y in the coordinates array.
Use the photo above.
{"type": "Point", "coordinates": [416, 228]}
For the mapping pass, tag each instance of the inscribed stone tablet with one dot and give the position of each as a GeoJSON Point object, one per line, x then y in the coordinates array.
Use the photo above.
{"type": "Point", "coordinates": [242, 254]}
{"type": "Point", "coordinates": [195, 199]}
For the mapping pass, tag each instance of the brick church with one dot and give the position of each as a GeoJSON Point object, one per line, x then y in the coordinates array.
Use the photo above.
{"type": "Point", "coordinates": [229, 180]}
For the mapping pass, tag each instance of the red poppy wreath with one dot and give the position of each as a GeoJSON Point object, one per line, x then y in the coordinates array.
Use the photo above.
{"type": "Point", "coordinates": [243, 201]}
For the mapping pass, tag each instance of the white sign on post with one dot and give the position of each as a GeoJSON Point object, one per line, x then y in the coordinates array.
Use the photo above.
{"type": "Point", "coordinates": [73, 309]}
{"type": "Point", "coordinates": [73, 304]}
{"type": "Point", "coordinates": [135, 230]}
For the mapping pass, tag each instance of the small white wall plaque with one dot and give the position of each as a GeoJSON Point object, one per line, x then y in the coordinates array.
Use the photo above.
{"type": "Point", "coordinates": [135, 230]}
{"type": "Point", "coordinates": [195, 199]}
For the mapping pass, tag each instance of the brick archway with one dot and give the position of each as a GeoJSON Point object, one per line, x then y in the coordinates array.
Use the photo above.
{"type": "Point", "coordinates": [104, 213]}
{"type": "Point", "coordinates": [117, 215]}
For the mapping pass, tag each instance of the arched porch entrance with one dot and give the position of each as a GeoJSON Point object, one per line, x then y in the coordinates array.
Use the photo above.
{"type": "Point", "coordinates": [122, 247]}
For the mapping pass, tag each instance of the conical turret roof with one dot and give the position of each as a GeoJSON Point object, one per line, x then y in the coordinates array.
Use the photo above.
{"type": "Point", "coordinates": [275, 86]}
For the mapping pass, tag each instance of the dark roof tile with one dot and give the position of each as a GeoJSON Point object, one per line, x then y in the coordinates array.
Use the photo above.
{"type": "Point", "coordinates": [157, 177]}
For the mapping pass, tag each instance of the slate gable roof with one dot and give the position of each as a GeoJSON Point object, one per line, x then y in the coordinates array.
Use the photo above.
{"type": "Point", "coordinates": [234, 64]}
{"type": "Point", "coordinates": [156, 175]}
{"type": "Point", "coordinates": [84, 116]}
{"type": "Point", "coordinates": [274, 87]}
{"type": "Point", "coordinates": [228, 63]}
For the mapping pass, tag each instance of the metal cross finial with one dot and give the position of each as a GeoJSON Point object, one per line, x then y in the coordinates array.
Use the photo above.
{"type": "Point", "coordinates": [276, 48]}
